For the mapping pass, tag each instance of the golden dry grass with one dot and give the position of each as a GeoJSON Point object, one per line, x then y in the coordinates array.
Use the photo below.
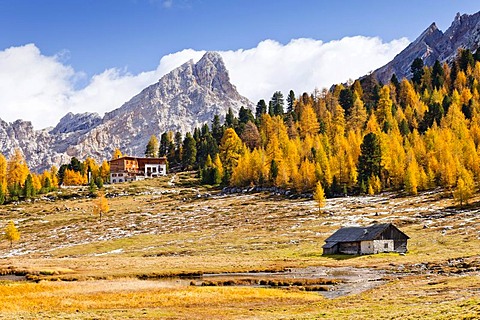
{"type": "Point", "coordinates": [415, 297]}
{"type": "Point", "coordinates": [156, 230]}
{"type": "Point", "coordinates": [139, 296]}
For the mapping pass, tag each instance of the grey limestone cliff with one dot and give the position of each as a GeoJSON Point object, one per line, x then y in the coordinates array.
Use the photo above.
{"type": "Point", "coordinates": [183, 99]}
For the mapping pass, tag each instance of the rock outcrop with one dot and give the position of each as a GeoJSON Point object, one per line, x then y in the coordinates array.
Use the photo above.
{"type": "Point", "coordinates": [77, 122]}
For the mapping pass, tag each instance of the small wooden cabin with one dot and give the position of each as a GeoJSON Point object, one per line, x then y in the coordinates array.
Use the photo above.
{"type": "Point", "coordinates": [384, 237]}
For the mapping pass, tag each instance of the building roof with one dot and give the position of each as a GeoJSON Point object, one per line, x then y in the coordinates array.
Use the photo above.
{"type": "Point", "coordinates": [144, 159]}
{"type": "Point", "coordinates": [354, 234]}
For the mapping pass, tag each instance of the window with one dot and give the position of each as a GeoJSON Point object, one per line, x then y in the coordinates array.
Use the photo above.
{"type": "Point", "coordinates": [114, 181]}
{"type": "Point", "coordinates": [385, 245]}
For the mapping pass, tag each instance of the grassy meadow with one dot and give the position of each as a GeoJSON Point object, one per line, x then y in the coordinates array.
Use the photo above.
{"type": "Point", "coordinates": [138, 262]}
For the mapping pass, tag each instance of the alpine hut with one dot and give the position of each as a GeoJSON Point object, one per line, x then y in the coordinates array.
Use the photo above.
{"type": "Point", "coordinates": [384, 237]}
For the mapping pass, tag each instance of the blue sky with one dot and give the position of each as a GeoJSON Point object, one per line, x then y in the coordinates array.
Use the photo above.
{"type": "Point", "coordinates": [100, 34]}
{"type": "Point", "coordinates": [90, 48]}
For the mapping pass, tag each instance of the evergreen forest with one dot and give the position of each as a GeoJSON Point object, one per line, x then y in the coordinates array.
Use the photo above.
{"type": "Point", "coordinates": [356, 138]}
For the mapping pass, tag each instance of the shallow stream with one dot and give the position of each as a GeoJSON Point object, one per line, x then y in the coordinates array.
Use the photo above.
{"type": "Point", "coordinates": [335, 281]}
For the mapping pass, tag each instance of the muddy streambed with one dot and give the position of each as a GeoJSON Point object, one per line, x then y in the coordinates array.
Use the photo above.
{"type": "Point", "coordinates": [331, 282]}
{"type": "Point", "coordinates": [12, 277]}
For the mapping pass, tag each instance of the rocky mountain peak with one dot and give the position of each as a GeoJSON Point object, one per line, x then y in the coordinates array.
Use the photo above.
{"type": "Point", "coordinates": [77, 122]}
{"type": "Point", "coordinates": [210, 71]}
{"type": "Point", "coordinates": [181, 100]}
{"type": "Point", "coordinates": [433, 44]}
{"type": "Point", "coordinates": [431, 30]}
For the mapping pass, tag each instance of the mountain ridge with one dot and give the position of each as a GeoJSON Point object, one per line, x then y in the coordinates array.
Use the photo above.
{"type": "Point", "coordinates": [185, 98]}
{"type": "Point", "coordinates": [432, 45]}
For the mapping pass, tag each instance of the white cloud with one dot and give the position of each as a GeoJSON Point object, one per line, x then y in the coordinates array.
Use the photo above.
{"type": "Point", "coordinates": [32, 85]}
{"type": "Point", "coordinates": [304, 64]}
{"type": "Point", "coordinates": [41, 88]}
{"type": "Point", "coordinates": [167, 3]}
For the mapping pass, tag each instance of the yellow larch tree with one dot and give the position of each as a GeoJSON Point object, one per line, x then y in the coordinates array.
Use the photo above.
{"type": "Point", "coordinates": [319, 196]}
{"type": "Point", "coordinates": [455, 121]}
{"type": "Point", "coordinates": [258, 162]}
{"type": "Point", "coordinates": [100, 206]}
{"type": "Point", "coordinates": [308, 123]}
{"type": "Point", "coordinates": [74, 178]}
{"type": "Point", "coordinates": [344, 160]}
{"type": "Point", "coordinates": [242, 174]}
{"type": "Point", "coordinates": [104, 171]}
{"type": "Point", "coordinates": [283, 177]}
{"type": "Point", "coordinates": [92, 167]}
{"type": "Point", "coordinates": [460, 81]}
{"type": "Point", "coordinates": [448, 168]}
{"type": "Point", "coordinates": [465, 96]}
{"type": "Point", "coordinates": [339, 159]}
{"type": "Point", "coordinates": [414, 107]}
{"type": "Point", "coordinates": [273, 151]}
{"type": "Point", "coordinates": [437, 96]}
{"type": "Point", "coordinates": [358, 115]}
{"type": "Point", "coordinates": [475, 130]}
{"type": "Point", "coordinates": [418, 146]}
{"type": "Point", "coordinates": [470, 157]}
{"type": "Point", "coordinates": [384, 107]}
{"type": "Point", "coordinates": [11, 233]}
{"type": "Point", "coordinates": [374, 185]}
{"type": "Point", "coordinates": [411, 175]}
{"type": "Point", "coordinates": [305, 180]}
{"type": "Point", "coordinates": [476, 71]}
{"type": "Point", "coordinates": [323, 162]}
{"type": "Point", "coordinates": [265, 128]}
{"type": "Point", "coordinates": [217, 163]}
{"type": "Point", "coordinates": [393, 157]}
{"type": "Point", "coordinates": [46, 181]}
{"type": "Point", "coordinates": [231, 149]}
{"type": "Point", "coordinates": [338, 122]}
{"type": "Point", "coordinates": [3, 173]}
{"type": "Point", "coordinates": [251, 169]}
{"type": "Point", "coordinates": [54, 176]}
{"type": "Point", "coordinates": [372, 124]}
{"type": "Point", "coordinates": [37, 182]}
{"type": "Point", "coordinates": [280, 129]}
{"type": "Point", "coordinates": [357, 89]}
{"type": "Point", "coordinates": [17, 169]}
{"type": "Point", "coordinates": [465, 187]}
{"type": "Point", "coordinates": [117, 154]}
{"type": "Point", "coordinates": [289, 163]}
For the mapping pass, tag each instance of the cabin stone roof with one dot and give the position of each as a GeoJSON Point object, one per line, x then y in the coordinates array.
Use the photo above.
{"type": "Point", "coordinates": [354, 234]}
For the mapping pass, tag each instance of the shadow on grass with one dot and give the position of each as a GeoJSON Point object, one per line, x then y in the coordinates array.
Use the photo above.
{"type": "Point", "coordinates": [465, 206]}
{"type": "Point", "coordinates": [339, 257]}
